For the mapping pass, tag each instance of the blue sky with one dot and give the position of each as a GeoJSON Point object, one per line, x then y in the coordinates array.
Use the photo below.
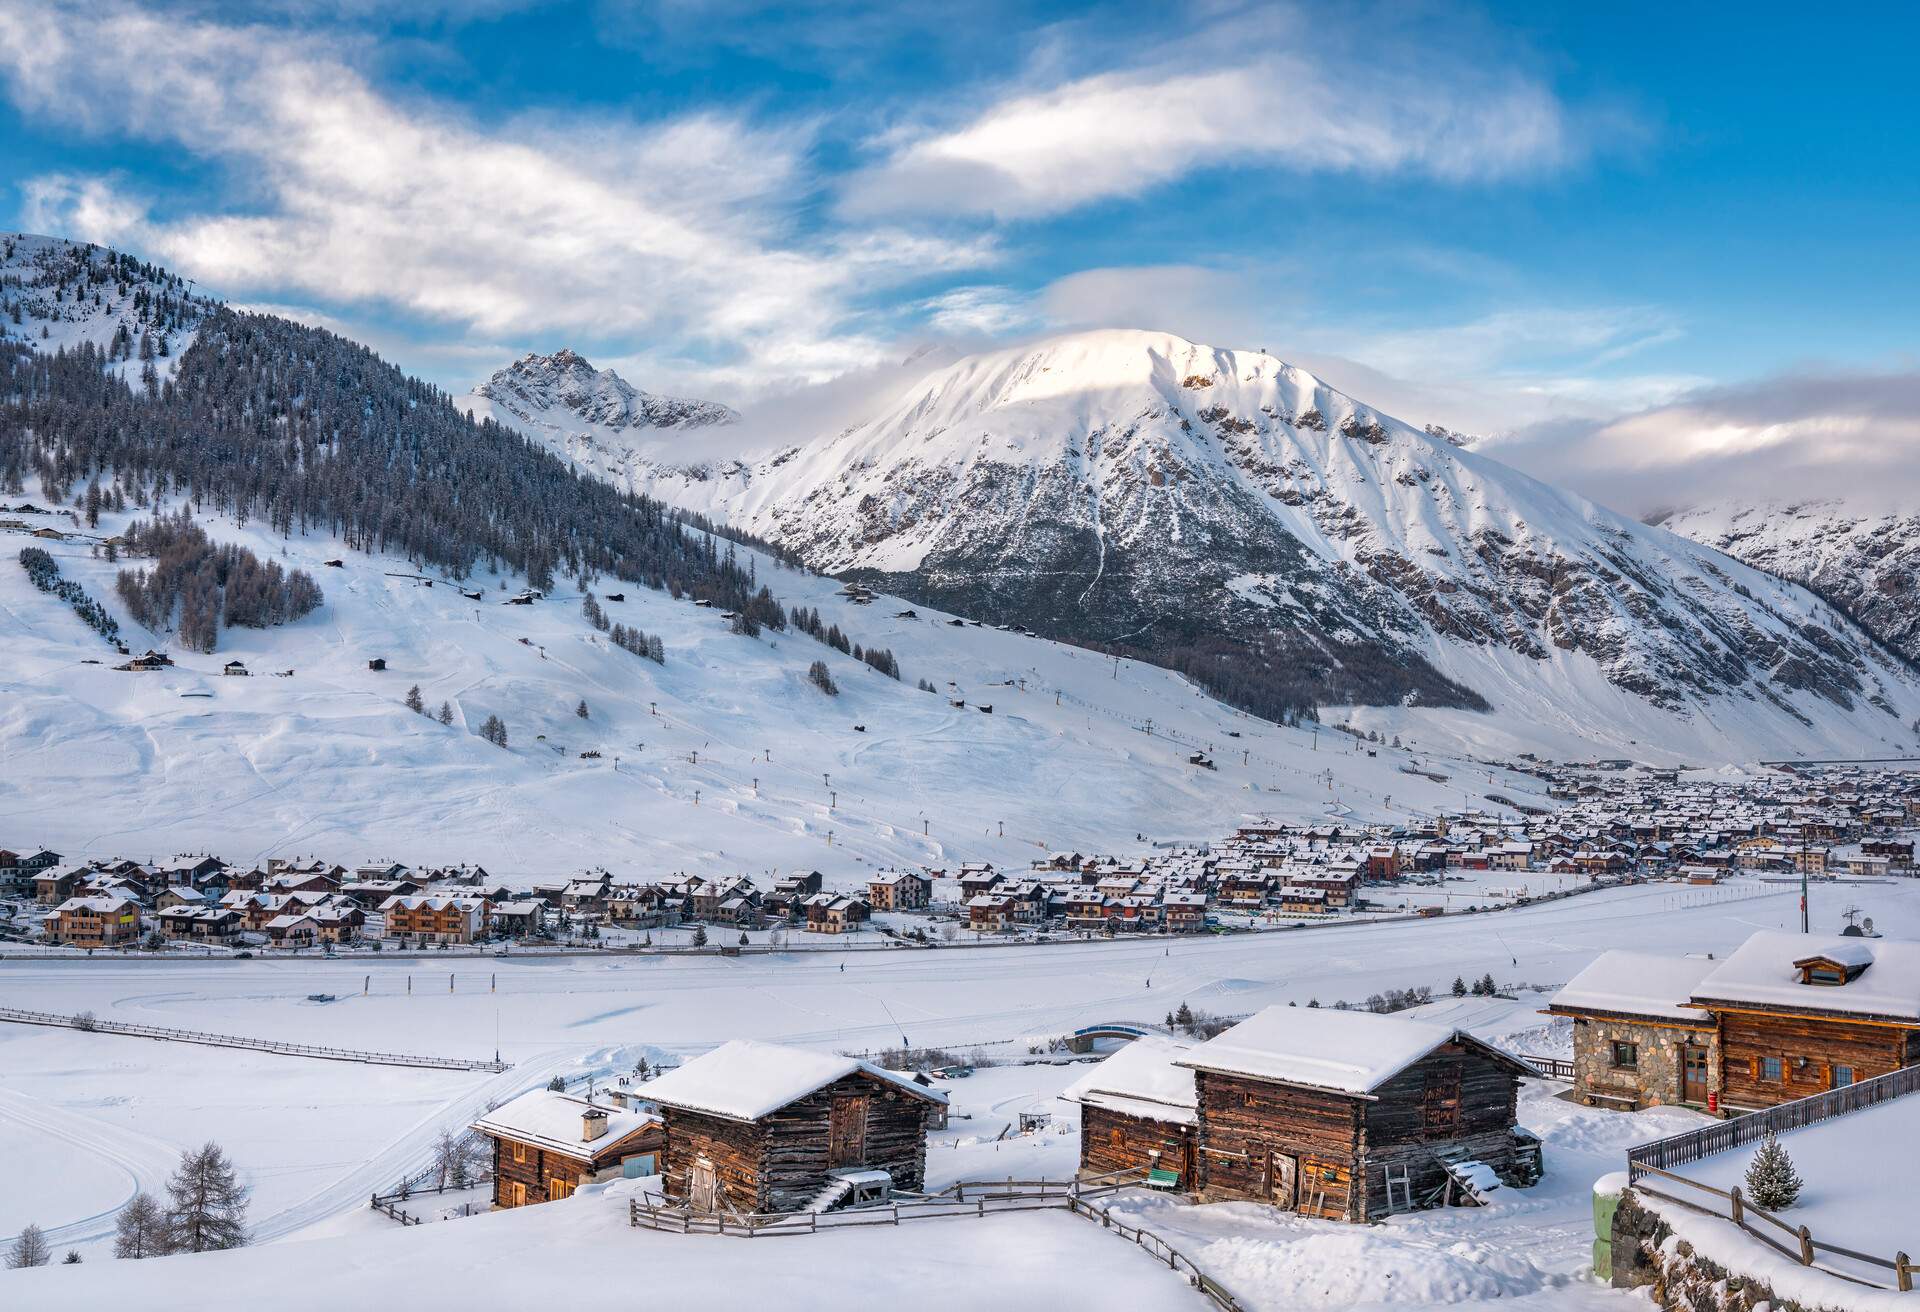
{"type": "Point", "coordinates": [1503, 219]}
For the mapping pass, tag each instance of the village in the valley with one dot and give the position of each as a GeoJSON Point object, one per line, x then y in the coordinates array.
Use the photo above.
{"type": "Point", "coordinates": [1488, 1103]}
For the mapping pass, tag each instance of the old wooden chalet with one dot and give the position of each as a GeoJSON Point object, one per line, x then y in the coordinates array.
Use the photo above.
{"type": "Point", "coordinates": [93, 922]}
{"type": "Point", "coordinates": [1138, 1112]}
{"type": "Point", "coordinates": [762, 1127]}
{"type": "Point", "coordinates": [1353, 1116]}
{"type": "Point", "coordinates": [546, 1144]}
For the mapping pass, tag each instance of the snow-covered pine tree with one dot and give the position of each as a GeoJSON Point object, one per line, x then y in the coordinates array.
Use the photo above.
{"type": "Point", "coordinates": [699, 936]}
{"type": "Point", "coordinates": [72, 1258]}
{"type": "Point", "coordinates": [29, 1249]}
{"type": "Point", "coordinates": [1459, 987]}
{"type": "Point", "coordinates": [581, 709]}
{"type": "Point", "coordinates": [1772, 1182]}
{"type": "Point", "coordinates": [446, 712]}
{"type": "Point", "coordinates": [206, 1203]}
{"type": "Point", "coordinates": [140, 1228]}
{"type": "Point", "coordinates": [820, 677]}
{"type": "Point", "coordinates": [414, 703]}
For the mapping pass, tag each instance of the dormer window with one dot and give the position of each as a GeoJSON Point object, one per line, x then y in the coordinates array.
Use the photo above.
{"type": "Point", "coordinates": [1825, 975]}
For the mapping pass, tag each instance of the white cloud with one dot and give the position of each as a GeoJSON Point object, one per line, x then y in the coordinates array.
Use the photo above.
{"type": "Point", "coordinates": [1793, 437]}
{"type": "Point", "coordinates": [1117, 134]}
{"type": "Point", "coordinates": [676, 230]}
{"type": "Point", "coordinates": [978, 312]}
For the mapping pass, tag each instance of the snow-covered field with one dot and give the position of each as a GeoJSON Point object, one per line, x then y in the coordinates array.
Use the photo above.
{"type": "Point", "coordinates": [722, 761]}
{"type": "Point", "coordinates": [86, 1117]}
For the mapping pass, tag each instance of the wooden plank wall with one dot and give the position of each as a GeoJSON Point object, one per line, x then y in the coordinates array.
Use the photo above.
{"type": "Point", "coordinates": [1114, 1141]}
{"type": "Point", "coordinates": [1746, 1037]}
{"type": "Point", "coordinates": [1243, 1120]}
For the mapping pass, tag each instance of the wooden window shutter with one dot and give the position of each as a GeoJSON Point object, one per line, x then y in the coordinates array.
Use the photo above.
{"type": "Point", "coordinates": [1753, 1067]}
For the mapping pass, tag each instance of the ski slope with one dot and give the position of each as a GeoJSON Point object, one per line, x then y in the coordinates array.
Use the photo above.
{"type": "Point", "coordinates": [724, 760]}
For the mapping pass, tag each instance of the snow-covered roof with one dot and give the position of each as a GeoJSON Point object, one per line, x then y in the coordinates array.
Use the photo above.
{"type": "Point", "coordinates": [1637, 984]}
{"type": "Point", "coordinates": [551, 1119]}
{"type": "Point", "coordinates": [1141, 1079]}
{"type": "Point", "coordinates": [1761, 971]}
{"type": "Point", "coordinates": [1346, 1051]}
{"type": "Point", "coordinates": [745, 1079]}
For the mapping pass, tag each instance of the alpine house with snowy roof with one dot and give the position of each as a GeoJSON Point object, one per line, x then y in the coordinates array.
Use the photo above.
{"type": "Point", "coordinates": [763, 1127]}
{"type": "Point", "coordinates": [1353, 1116]}
{"type": "Point", "coordinates": [546, 1144]}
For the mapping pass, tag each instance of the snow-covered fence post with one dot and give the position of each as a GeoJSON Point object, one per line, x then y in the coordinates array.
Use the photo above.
{"type": "Point", "coordinates": [1806, 1246]}
{"type": "Point", "coordinates": [1903, 1273]}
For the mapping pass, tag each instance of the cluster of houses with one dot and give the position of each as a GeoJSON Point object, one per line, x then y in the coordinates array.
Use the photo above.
{"type": "Point", "coordinates": [1615, 824]}
{"type": "Point", "coordinates": [283, 903]}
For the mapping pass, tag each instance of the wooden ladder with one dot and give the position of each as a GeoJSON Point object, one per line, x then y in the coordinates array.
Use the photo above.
{"type": "Point", "coordinates": [1399, 1178]}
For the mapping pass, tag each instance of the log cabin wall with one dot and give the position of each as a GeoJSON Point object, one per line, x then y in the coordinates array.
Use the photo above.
{"type": "Point", "coordinates": [1114, 1141]}
{"type": "Point", "coordinates": [780, 1162]}
{"type": "Point", "coordinates": [1748, 1038]}
{"type": "Point", "coordinates": [735, 1148]}
{"type": "Point", "coordinates": [1456, 1097]}
{"type": "Point", "coordinates": [1244, 1122]}
{"type": "Point", "coordinates": [532, 1167]}
{"type": "Point", "coordinates": [804, 1141]}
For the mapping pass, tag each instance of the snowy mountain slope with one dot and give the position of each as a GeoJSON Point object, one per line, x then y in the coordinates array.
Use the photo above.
{"type": "Point", "coordinates": [1867, 561]}
{"type": "Point", "coordinates": [1212, 505]}
{"type": "Point", "coordinates": [597, 420]}
{"type": "Point", "coordinates": [725, 759]}
{"type": "Point", "coordinates": [56, 294]}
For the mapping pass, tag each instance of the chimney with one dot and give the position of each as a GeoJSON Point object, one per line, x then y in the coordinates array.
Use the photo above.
{"type": "Point", "coordinates": [593, 1123]}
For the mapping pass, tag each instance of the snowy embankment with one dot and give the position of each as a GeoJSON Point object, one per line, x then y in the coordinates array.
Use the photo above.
{"type": "Point", "coordinates": [723, 760]}
{"type": "Point", "coordinates": [584, 1250]}
{"type": "Point", "coordinates": [1851, 1198]}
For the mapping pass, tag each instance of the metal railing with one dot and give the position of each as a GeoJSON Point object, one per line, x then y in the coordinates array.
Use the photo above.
{"type": "Point", "coordinates": [1803, 1247]}
{"type": "Point", "coordinates": [1679, 1149]}
{"type": "Point", "coordinates": [93, 1025]}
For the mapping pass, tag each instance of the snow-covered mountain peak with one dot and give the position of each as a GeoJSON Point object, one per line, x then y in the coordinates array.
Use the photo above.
{"type": "Point", "coordinates": [564, 392]}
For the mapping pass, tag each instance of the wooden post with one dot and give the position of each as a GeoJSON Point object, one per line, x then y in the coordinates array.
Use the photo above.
{"type": "Point", "coordinates": [1739, 1210]}
{"type": "Point", "coordinates": [1902, 1273]}
{"type": "Point", "coordinates": [1806, 1247]}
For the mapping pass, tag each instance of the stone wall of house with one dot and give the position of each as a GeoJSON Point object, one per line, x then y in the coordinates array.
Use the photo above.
{"type": "Point", "coordinates": [1657, 1080]}
{"type": "Point", "coordinates": [1647, 1255]}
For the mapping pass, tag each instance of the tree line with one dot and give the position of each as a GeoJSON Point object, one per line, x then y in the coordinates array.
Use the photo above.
{"type": "Point", "coordinates": [44, 572]}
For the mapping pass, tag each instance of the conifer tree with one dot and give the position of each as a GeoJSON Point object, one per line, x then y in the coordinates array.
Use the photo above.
{"type": "Point", "coordinates": [206, 1203]}
{"type": "Point", "coordinates": [1772, 1182]}
{"type": "Point", "coordinates": [1459, 987]}
{"type": "Point", "coordinates": [581, 709]}
{"type": "Point", "coordinates": [140, 1228]}
{"type": "Point", "coordinates": [446, 712]}
{"type": "Point", "coordinates": [414, 704]}
{"type": "Point", "coordinates": [29, 1249]}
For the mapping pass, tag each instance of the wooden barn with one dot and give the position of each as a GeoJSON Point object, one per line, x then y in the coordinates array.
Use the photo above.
{"type": "Point", "coordinates": [762, 1127]}
{"type": "Point", "coordinates": [1138, 1112]}
{"type": "Point", "coordinates": [1353, 1116]}
{"type": "Point", "coordinates": [546, 1144]}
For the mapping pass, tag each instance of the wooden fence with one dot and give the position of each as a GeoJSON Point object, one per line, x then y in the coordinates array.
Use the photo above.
{"type": "Point", "coordinates": [1802, 1248]}
{"type": "Point", "coordinates": [977, 1198]}
{"type": "Point", "coordinates": [1679, 1149]}
{"type": "Point", "coordinates": [390, 1204]}
{"type": "Point", "coordinates": [1554, 1068]}
{"type": "Point", "coordinates": [92, 1025]}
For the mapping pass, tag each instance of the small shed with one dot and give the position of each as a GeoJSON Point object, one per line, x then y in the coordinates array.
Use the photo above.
{"type": "Point", "coordinates": [763, 1127]}
{"type": "Point", "coordinates": [377, 663]}
{"type": "Point", "coordinates": [1138, 1111]}
{"type": "Point", "coordinates": [546, 1144]}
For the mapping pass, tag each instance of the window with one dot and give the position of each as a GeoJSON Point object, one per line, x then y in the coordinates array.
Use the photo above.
{"type": "Point", "coordinates": [519, 1152]}
{"type": "Point", "coordinates": [1626, 1056]}
{"type": "Point", "coordinates": [1246, 1100]}
{"type": "Point", "coordinates": [1825, 975]}
{"type": "Point", "coordinates": [1770, 1069]}
{"type": "Point", "coordinates": [1842, 1076]}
